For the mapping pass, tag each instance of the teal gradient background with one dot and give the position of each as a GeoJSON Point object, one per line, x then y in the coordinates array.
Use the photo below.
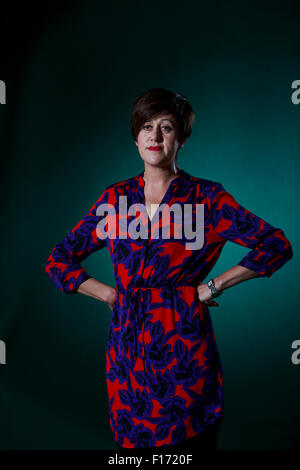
{"type": "Point", "coordinates": [66, 136]}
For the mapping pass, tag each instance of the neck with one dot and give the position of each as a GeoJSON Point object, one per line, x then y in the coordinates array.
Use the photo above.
{"type": "Point", "coordinates": [159, 176]}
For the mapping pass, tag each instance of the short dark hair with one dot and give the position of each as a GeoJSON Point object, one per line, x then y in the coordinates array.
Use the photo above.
{"type": "Point", "coordinates": [157, 101]}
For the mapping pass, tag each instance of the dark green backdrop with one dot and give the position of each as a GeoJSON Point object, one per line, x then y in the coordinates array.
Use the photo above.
{"type": "Point", "coordinates": [72, 74]}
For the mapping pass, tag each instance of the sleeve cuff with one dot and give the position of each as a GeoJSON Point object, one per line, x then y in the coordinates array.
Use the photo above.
{"type": "Point", "coordinates": [73, 282]}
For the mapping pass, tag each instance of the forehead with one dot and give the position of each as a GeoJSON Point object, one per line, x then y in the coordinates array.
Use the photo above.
{"type": "Point", "coordinates": [163, 117]}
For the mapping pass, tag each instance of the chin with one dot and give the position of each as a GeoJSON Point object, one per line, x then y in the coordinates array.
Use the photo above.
{"type": "Point", "coordinates": [159, 163]}
{"type": "Point", "coordinates": [153, 160]}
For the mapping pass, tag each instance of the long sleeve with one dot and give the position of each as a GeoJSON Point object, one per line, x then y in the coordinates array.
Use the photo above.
{"type": "Point", "coordinates": [270, 249]}
{"type": "Point", "coordinates": [63, 265]}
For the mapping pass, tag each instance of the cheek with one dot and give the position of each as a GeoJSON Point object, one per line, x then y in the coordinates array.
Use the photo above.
{"type": "Point", "coordinates": [138, 143]}
{"type": "Point", "coordinates": [174, 140]}
{"type": "Point", "coordinates": [140, 140]}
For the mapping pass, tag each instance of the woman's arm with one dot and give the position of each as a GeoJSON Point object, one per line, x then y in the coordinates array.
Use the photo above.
{"type": "Point", "coordinates": [98, 290]}
{"type": "Point", "coordinates": [64, 263]}
{"type": "Point", "coordinates": [229, 278]}
{"type": "Point", "coordinates": [270, 249]}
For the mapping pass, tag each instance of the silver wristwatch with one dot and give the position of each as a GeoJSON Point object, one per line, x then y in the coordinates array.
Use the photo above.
{"type": "Point", "coordinates": [215, 292]}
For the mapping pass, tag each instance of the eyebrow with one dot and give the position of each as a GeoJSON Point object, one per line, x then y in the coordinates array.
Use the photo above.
{"type": "Point", "coordinates": [165, 119]}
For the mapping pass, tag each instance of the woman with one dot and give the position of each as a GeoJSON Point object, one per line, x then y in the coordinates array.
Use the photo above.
{"type": "Point", "coordinates": [163, 370]}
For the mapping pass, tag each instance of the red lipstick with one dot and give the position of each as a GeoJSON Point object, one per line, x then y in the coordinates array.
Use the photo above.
{"type": "Point", "coordinates": [154, 148]}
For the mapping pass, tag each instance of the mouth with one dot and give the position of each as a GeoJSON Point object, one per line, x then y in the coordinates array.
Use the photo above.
{"type": "Point", "coordinates": [155, 149]}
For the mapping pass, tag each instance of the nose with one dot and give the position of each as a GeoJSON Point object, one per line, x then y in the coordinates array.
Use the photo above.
{"type": "Point", "coordinates": [157, 134]}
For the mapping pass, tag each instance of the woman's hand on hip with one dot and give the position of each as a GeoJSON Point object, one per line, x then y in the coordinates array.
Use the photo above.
{"type": "Point", "coordinates": [205, 295]}
{"type": "Point", "coordinates": [112, 298]}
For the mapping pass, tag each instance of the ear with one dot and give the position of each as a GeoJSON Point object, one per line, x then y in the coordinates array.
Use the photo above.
{"type": "Point", "coordinates": [181, 144]}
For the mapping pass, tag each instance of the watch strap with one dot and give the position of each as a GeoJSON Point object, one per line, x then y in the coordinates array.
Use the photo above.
{"type": "Point", "coordinates": [215, 292]}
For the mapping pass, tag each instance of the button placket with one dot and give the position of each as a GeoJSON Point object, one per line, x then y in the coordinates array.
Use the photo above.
{"type": "Point", "coordinates": [139, 309]}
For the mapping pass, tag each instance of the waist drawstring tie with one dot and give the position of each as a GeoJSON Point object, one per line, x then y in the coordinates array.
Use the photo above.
{"type": "Point", "coordinates": [137, 304]}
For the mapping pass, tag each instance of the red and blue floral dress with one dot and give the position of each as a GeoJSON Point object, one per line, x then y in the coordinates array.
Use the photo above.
{"type": "Point", "coordinates": [163, 370]}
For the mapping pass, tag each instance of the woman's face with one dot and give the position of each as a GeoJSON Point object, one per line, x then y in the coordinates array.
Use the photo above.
{"type": "Point", "coordinates": [163, 132]}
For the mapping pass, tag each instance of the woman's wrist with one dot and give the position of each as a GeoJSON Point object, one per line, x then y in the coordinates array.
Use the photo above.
{"type": "Point", "coordinates": [233, 276]}
{"type": "Point", "coordinates": [111, 295]}
{"type": "Point", "coordinates": [218, 283]}
{"type": "Point", "coordinates": [98, 290]}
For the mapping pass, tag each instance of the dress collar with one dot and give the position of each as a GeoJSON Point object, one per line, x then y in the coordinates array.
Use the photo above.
{"type": "Point", "coordinates": [182, 177]}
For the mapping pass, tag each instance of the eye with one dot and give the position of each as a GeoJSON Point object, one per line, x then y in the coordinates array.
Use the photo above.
{"type": "Point", "coordinates": [165, 127]}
